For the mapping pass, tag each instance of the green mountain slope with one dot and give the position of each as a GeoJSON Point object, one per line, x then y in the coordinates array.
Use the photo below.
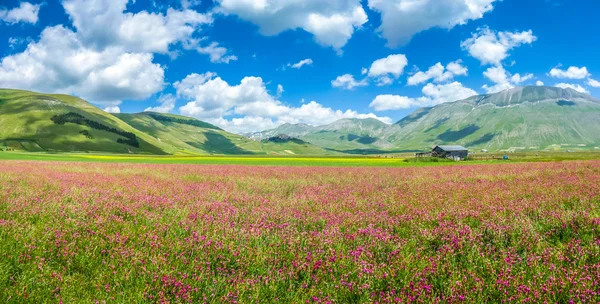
{"type": "Point", "coordinates": [519, 118]}
{"type": "Point", "coordinates": [26, 123]}
{"type": "Point", "coordinates": [192, 136]}
{"type": "Point", "coordinates": [60, 123]}
{"type": "Point", "coordinates": [526, 117]}
{"type": "Point", "coordinates": [349, 135]}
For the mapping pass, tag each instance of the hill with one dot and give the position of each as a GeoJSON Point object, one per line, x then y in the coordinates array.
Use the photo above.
{"type": "Point", "coordinates": [520, 118]}
{"type": "Point", "coordinates": [350, 135]}
{"type": "Point", "coordinates": [53, 122]}
{"type": "Point", "coordinates": [61, 123]}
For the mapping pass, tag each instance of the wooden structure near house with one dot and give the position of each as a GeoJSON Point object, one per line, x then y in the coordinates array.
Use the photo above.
{"type": "Point", "coordinates": [451, 152]}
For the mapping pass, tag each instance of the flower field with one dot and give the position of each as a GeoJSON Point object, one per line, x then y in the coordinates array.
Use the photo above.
{"type": "Point", "coordinates": [135, 233]}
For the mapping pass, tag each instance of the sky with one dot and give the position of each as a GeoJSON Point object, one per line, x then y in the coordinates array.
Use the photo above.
{"type": "Point", "coordinates": [252, 65]}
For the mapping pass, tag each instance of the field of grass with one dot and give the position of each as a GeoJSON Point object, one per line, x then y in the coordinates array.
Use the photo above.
{"type": "Point", "coordinates": [397, 160]}
{"type": "Point", "coordinates": [93, 232]}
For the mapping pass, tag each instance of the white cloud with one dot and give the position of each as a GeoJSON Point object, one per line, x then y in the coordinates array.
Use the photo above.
{"type": "Point", "coordinates": [26, 12]}
{"type": "Point", "coordinates": [348, 82]}
{"type": "Point", "coordinates": [539, 83]}
{"type": "Point", "coordinates": [593, 83]}
{"type": "Point", "coordinates": [402, 19]}
{"type": "Point", "coordinates": [280, 90]}
{"type": "Point", "coordinates": [112, 109]}
{"type": "Point", "coordinates": [575, 87]}
{"type": "Point", "coordinates": [438, 73]}
{"type": "Point", "coordinates": [496, 74]}
{"type": "Point", "coordinates": [571, 73]}
{"type": "Point", "coordinates": [392, 102]}
{"type": "Point", "coordinates": [433, 95]}
{"type": "Point", "coordinates": [217, 54]}
{"type": "Point", "coordinates": [450, 92]}
{"type": "Point", "coordinates": [331, 22]}
{"type": "Point", "coordinates": [392, 64]}
{"type": "Point", "coordinates": [189, 3]}
{"type": "Point", "coordinates": [167, 104]}
{"type": "Point", "coordinates": [518, 79]}
{"type": "Point", "coordinates": [301, 63]}
{"type": "Point", "coordinates": [59, 62]}
{"type": "Point", "coordinates": [103, 23]}
{"type": "Point", "coordinates": [213, 99]}
{"type": "Point", "coordinates": [109, 57]}
{"type": "Point", "coordinates": [503, 79]}
{"type": "Point", "coordinates": [491, 47]}
{"type": "Point", "coordinates": [383, 71]}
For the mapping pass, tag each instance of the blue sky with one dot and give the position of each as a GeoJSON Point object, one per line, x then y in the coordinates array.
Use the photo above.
{"type": "Point", "coordinates": [249, 65]}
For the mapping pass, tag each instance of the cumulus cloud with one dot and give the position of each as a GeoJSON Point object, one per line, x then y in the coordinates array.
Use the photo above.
{"type": "Point", "coordinates": [442, 93]}
{"type": "Point", "coordinates": [101, 23]}
{"type": "Point", "coordinates": [539, 83]}
{"type": "Point", "coordinates": [402, 19]}
{"type": "Point", "coordinates": [213, 99]}
{"type": "Point", "coordinates": [331, 22]}
{"type": "Point", "coordinates": [113, 109]}
{"type": "Point", "coordinates": [432, 95]}
{"type": "Point", "coordinates": [491, 47]}
{"type": "Point", "coordinates": [393, 102]}
{"type": "Point", "coordinates": [575, 87]}
{"type": "Point", "coordinates": [59, 62]}
{"type": "Point", "coordinates": [26, 13]}
{"type": "Point", "coordinates": [383, 71]}
{"type": "Point", "coordinates": [571, 73]}
{"type": "Point", "coordinates": [167, 104]}
{"type": "Point", "coordinates": [593, 83]}
{"type": "Point", "coordinates": [217, 54]}
{"type": "Point", "coordinates": [301, 63]}
{"type": "Point", "coordinates": [503, 79]}
{"type": "Point", "coordinates": [108, 55]}
{"type": "Point", "coordinates": [390, 65]}
{"type": "Point", "coordinates": [438, 73]}
{"type": "Point", "coordinates": [348, 82]}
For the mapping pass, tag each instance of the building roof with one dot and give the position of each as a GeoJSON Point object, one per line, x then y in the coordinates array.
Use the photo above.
{"type": "Point", "coordinates": [453, 148]}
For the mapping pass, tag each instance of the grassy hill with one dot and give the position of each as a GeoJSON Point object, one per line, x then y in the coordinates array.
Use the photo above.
{"type": "Point", "coordinates": [350, 135]}
{"type": "Point", "coordinates": [533, 118]}
{"type": "Point", "coordinates": [27, 124]}
{"type": "Point", "coordinates": [192, 136]}
{"type": "Point", "coordinates": [38, 122]}
{"type": "Point", "coordinates": [526, 118]}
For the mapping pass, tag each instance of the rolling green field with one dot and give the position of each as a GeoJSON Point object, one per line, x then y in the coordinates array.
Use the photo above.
{"type": "Point", "coordinates": [400, 160]}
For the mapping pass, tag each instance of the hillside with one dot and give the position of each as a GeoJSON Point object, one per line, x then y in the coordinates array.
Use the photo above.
{"type": "Point", "coordinates": [350, 135]}
{"type": "Point", "coordinates": [26, 120]}
{"type": "Point", "coordinates": [37, 122]}
{"type": "Point", "coordinates": [531, 118]}
{"type": "Point", "coordinates": [520, 118]}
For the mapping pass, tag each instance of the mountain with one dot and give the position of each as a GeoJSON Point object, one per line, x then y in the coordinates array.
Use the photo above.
{"type": "Point", "coordinates": [61, 123]}
{"type": "Point", "coordinates": [521, 118]}
{"type": "Point", "coordinates": [53, 122]}
{"type": "Point", "coordinates": [349, 135]}
{"type": "Point", "coordinates": [532, 117]}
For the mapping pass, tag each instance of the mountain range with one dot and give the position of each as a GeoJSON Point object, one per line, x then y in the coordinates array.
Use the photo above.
{"type": "Point", "coordinates": [531, 118]}
{"type": "Point", "coordinates": [535, 118]}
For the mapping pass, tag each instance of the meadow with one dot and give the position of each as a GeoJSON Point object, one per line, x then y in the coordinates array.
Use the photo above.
{"type": "Point", "coordinates": [93, 232]}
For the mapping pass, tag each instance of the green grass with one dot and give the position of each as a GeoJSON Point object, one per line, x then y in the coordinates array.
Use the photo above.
{"type": "Point", "coordinates": [401, 160]}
